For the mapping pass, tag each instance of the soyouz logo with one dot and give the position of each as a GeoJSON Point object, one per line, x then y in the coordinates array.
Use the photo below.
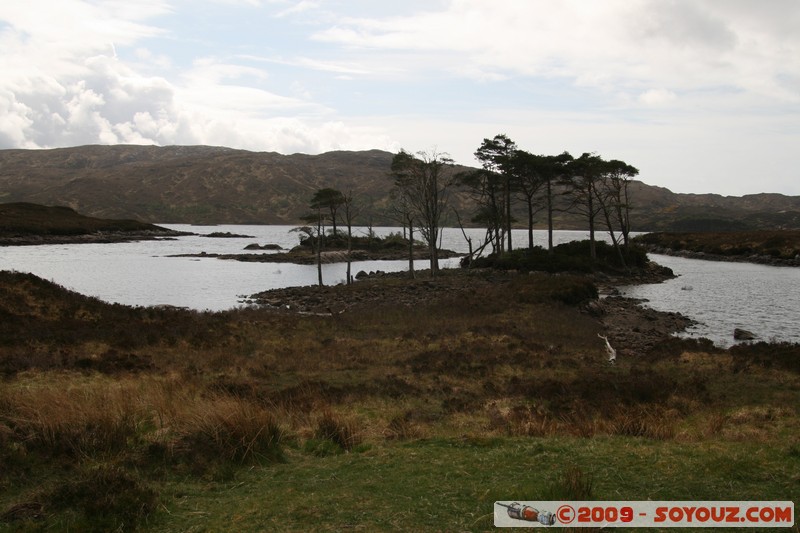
{"type": "Point", "coordinates": [644, 513]}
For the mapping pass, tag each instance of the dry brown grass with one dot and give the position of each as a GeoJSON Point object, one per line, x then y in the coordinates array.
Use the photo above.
{"type": "Point", "coordinates": [94, 416]}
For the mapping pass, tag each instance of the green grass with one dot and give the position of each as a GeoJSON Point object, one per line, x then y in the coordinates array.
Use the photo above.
{"type": "Point", "coordinates": [451, 484]}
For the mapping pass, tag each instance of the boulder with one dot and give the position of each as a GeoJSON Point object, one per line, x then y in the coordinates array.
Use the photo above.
{"type": "Point", "coordinates": [256, 246]}
{"type": "Point", "coordinates": [743, 335]}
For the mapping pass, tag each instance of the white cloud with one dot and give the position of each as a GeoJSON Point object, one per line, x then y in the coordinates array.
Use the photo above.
{"type": "Point", "coordinates": [657, 97]}
{"type": "Point", "coordinates": [299, 7]}
{"type": "Point", "coordinates": [667, 84]}
{"type": "Point", "coordinates": [678, 45]}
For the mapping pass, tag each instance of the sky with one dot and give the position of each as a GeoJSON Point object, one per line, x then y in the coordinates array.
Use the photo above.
{"type": "Point", "coordinates": [700, 95]}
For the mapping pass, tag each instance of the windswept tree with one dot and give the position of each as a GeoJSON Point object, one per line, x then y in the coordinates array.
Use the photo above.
{"type": "Point", "coordinates": [329, 200]}
{"type": "Point", "coordinates": [423, 180]}
{"type": "Point", "coordinates": [314, 233]}
{"type": "Point", "coordinates": [581, 180]}
{"type": "Point", "coordinates": [618, 178]}
{"type": "Point", "coordinates": [495, 155]}
{"type": "Point", "coordinates": [486, 190]}
{"type": "Point", "coordinates": [611, 193]}
{"type": "Point", "coordinates": [555, 169]}
{"type": "Point", "coordinates": [529, 172]}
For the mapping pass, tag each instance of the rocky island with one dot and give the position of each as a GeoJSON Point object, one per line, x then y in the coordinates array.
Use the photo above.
{"type": "Point", "coordinates": [29, 224]}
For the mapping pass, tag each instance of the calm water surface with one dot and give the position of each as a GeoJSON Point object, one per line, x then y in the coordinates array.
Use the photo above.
{"type": "Point", "coordinates": [720, 296]}
{"type": "Point", "coordinates": [142, 273]}
{"type": "Point", "coordinates": [724, 296]}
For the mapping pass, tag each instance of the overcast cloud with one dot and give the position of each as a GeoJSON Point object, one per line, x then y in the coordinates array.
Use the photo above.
{"type": "Point", "coordinates": [700, 95]}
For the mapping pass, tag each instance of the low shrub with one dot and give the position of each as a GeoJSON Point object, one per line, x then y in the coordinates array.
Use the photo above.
{"type": "Point", "coordinates": [568, 257]}
{"type": "Point", "coordinates": [781, 356]}
{"type": "Point", "coordinates": [643, 421]}
{"type": "Point", "coordinates": [338, 430]}
{"type": "Point", "coordinates": [566, 289]}
{"type": "Point", "coordinates": [220, 428]}
{"type": "Point", "coordinates": [103, 498]}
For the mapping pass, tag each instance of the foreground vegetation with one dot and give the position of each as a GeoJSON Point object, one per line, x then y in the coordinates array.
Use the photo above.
{"type": "Point", "coordinates": [384, 417]}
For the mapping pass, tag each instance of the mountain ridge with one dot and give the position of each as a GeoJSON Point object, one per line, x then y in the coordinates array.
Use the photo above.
{"type": "Point", "coordinates": [218, 185]}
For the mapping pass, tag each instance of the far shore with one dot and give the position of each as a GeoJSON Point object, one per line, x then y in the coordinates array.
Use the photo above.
{"type": "Point", "coordinates": [102, 237]}
{"type": "Point", "coordinates": [755, 258]}
{"type": "Point", "coordinates": [766, 247]}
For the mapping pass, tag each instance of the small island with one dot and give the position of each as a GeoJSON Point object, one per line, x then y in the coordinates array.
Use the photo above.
{"type": "Point", "coordinates": [23, 223]}
{"type": "Point", "coordinates": [393, 247]}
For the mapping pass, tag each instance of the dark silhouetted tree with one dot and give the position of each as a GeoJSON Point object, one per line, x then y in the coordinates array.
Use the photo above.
{"type": "Point", "coordinates": [495, 156]}
{"type": "Point", "coordinates": [330, 200]}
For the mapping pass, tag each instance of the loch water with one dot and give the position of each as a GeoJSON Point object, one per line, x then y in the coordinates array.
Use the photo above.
{"type": "Point", "coordinates": [719, 296]}
{"type": "Point", "coordinates": [723, 296]}
{"type": "Point", "coordinates": [147, 273]}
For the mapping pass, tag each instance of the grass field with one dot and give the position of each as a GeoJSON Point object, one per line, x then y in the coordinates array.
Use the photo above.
{"type": "Point", "coordinates": [382, 418]}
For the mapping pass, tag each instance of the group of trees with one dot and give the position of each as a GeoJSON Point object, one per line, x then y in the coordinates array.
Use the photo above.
{"type": "Point", "coordinates": [329, 205]}
{"type": "Point", "coordinates": [591, 186]}
{"type": "Point", "coordinates": [509, 178]}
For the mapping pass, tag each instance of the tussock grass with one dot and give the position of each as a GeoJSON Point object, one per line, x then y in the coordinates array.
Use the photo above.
{"type": "Point", "coordinates": [340, 430]}
{"type": "Point", "coordinates": [100, 417]}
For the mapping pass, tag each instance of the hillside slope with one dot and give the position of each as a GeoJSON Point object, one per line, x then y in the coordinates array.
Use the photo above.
{"type": "Point", "coordinates": [203, 184]}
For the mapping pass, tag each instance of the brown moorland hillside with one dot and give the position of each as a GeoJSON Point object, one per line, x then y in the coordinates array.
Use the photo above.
{"type": "Point", "coordinates": [216, 185]}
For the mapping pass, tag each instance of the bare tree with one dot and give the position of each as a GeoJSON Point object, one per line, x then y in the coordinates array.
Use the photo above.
{"type": "Point", "coordinates": [350, 212]}
{"type": "Point", "coordinates": [404, 213]}
{"type": "Point", "coordinates": [424, 181]}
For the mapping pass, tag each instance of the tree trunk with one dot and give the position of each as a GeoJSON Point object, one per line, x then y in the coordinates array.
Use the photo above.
{"type": "Point", "coordinates": [508, 211]}
{"type": "Point", "coordinates": [592, 247]}
{"type": "Point", "coordinates": [549, 218]}
{"type": "Point", "coordinates": [349, 249]}
{"type": "Point", "coordinates": [530, 222]}
{"type": "Point", "coordinates": [319, 247]}
{"type": "Point", "coordinates": [411, 273]}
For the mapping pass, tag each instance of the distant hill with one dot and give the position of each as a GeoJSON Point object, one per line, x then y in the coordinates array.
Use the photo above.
{"type": "Point", "coordinates": [214, 185]}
